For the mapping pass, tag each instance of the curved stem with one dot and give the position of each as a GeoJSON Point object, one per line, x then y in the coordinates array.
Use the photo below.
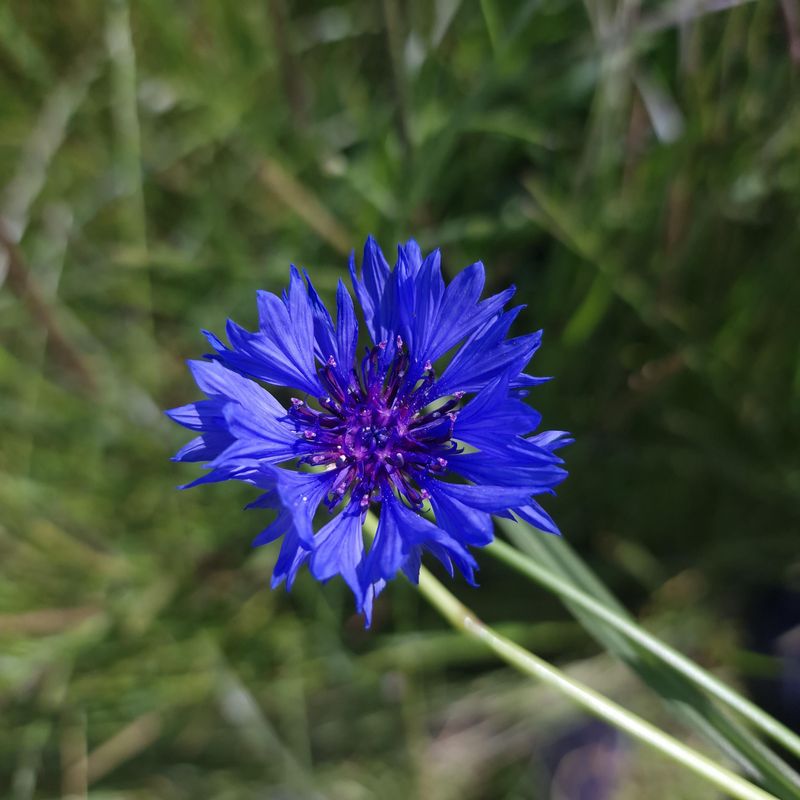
{"type": "Point", "coordinates": [680, 663]}
{"type": "Point", "coordinates": [526, 662]}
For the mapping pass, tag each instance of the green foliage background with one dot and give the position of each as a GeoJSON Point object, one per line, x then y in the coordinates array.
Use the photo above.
{"type": "Point", "coordinates": [633, 167]}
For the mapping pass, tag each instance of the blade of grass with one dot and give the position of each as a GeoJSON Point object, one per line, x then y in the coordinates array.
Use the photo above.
{"type": "Point", "coordinates": [554, 555]}
{"type": "Point", "coordinates": [528, 567]}
{"type": "Point", "coordinates": [123, 746]}
{"type": "Point", "coordinates": [124, 107]}
{"type": "Point", "coordinates": [305, 204]}
{"type": "Point", "coordinates": [44, 142]}
{"type": "Point", "coordinates": [129, 180]}
{"type": "Point", "coordinates": [689, 702]}
{"type": "Point", "coordinates": [394, 40]}
{"type": "Point", "coordinates": [465, 620]}
{"type": "Point", "coordinates": [492, 22]}
{"type": "Point", "coordinates": [22, 283]}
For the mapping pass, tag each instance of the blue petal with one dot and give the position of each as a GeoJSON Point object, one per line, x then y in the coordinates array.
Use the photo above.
{"type": "Point", "coordinates": [474, 528]}
{"type": "Point", "coordinates": [281, 352]}
{"type": "Point", "coordinates": [205, 447]}
{"type": "Point", "coordinates": [396, 301]}
{"type": "Point", "coordinates": [523, 380]}
{"type": "Point", "coordinates": [267, 437]}
{"type": "Point", "coordinates": [511, 467]}
{"type": "Point", "coordinates": [402, 534]}
{"type": "Point", "coordinates": [369, 288]}
{"type": "Point", "coordinates": [299, 495]}
{"type": "Point", "coordinates": [241, 420]}
{"type": "Point", "coordinates": [324, 330]}
{"type": "Point", "coordinates": [551, 440]}
{"type": "Point", "coordinates": [204, 415]}
{"type": "Point", "coordinates": [346, 331]}
{"type": "Point", "coordinates": [370, 595]}
{"type": "Point", "coordinates": [461, 313]}
{"type": "Point", "coordinates": [338, 342]}
{"type": "Point", "coordinates": [487, 355]}
{"type": "Point", "coordinates": [413, 563]}
{"type": "Point", "coordinates": [409, 257]}
{"type": "Point", "coordinates": [538, 517]}
{"type": "Point", "coordinates": [435, 318]}
{"type": "Point", "coordinates": [493, 415]}
{"type": "Point", "coordinates": [491, 499]}
{"type": "Point", "coordinates": [244, 453]}
{"type": "Point", "coordinates": [282, 524]}
{"type": "Point", "coordinates": [423, 307]}
{"type": "Point", "coordinates": [220, 383]}
{"type": "Point", "coordinates": [298, 338]}
{"type": "Point", "coordinates": [240, 471]}
{"type": "Point", "coordinates": [292, 556]}
{"type": "Point", "coordinates": [338, 549]}
{"type": "Point", "coordinates": [296, 496]}
{"type": "Point", "coordinates": [388, 550]}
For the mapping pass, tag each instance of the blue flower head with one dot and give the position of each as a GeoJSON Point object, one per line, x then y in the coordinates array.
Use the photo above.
{"type": "Point", "coordinates": [428, 418]}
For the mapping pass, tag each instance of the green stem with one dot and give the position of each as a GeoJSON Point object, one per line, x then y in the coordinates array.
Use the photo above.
{"type": "Point", "coordinates": [465, 620]}
{"type": "Point", "coordinates": [680, 663]}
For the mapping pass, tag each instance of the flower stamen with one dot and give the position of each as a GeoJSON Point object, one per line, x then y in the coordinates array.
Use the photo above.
{"type": "Point", "coordinates": [374, 433]}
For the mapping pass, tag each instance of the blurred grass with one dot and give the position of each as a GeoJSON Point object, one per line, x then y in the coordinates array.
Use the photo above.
{"type": "Point", "coordinates": [632, 167]}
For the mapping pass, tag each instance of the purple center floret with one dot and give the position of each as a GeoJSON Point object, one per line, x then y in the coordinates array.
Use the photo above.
{"type": "Point", "coordinates": [377, 431]}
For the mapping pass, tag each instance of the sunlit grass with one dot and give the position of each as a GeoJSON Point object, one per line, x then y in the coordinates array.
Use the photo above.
{"type": "Point", "coordinates": [635, 175]}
